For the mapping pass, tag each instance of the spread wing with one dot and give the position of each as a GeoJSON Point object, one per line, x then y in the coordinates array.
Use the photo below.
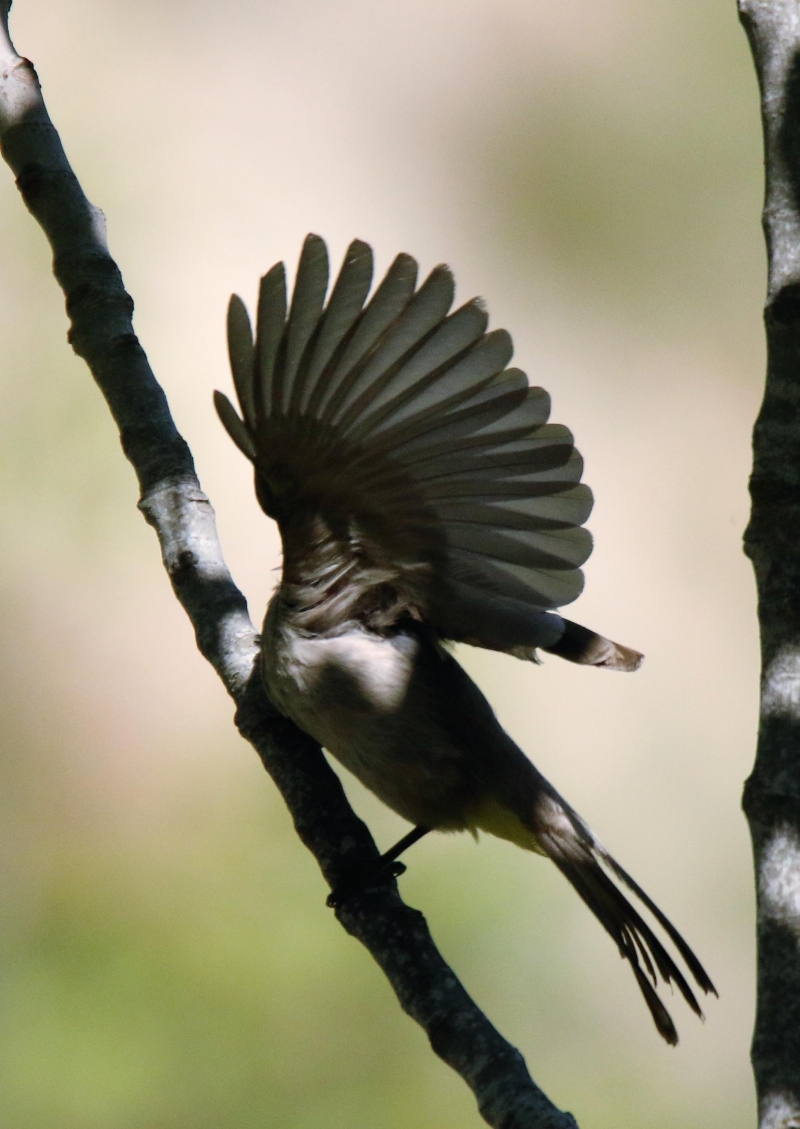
{"type": "Point", "coordinates": [405, 462]}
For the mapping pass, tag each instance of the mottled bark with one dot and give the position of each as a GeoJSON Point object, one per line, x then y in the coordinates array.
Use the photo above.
{"type": "Point", "coordinates": [772, 541]}
{"type": "Point", "coordinates": [172, 501]}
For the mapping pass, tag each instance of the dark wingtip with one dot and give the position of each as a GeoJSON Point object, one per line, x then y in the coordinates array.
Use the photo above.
{"type": "Point", "coordinates": [358, 248]}
{"type": "Point", "coordinates": [236, 428]}
{"type": "Point", "coordinates": [580, 645]}
{"type": "Point", "coordinates": [623, 658]}
{"type": "Point", "coordinates": [277, 269]}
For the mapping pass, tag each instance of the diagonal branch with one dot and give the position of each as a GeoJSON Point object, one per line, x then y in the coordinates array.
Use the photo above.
{"type": "Point", "coordinates": [101, 332]}
{"type": "Point", "coordinates": [772, 541]}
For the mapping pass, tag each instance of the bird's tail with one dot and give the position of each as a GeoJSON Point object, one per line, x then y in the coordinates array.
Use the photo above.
{"type": "Point", "coordinates": [565, 838]}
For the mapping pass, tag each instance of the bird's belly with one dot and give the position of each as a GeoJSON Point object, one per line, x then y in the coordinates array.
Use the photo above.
{"type": "Point", "coordinates": [353, 693]}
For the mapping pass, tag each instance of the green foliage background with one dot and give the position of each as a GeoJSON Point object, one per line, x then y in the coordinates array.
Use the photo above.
{"type": "Point", "coordinates": [593, 169]}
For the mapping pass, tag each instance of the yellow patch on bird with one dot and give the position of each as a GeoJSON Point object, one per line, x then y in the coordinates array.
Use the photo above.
{"type": "Point", "coordinates": [494, 819]}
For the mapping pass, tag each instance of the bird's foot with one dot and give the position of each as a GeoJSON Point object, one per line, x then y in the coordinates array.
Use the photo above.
{"type": "Point", "coordinates": [381, 871]}
{"type": "Point", "coordinates": [362, 876]}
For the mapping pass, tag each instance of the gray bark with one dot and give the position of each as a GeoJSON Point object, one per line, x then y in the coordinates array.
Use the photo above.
{"type": "Point", "coordinates": [172, 501]}
{"type": "Point", "coordinates": [772, 541]}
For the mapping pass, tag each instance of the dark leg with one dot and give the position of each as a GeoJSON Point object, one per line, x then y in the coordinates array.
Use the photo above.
{"type": "Point", "coordinates": [384, 869]}
{"type": "Point", "coordinates": [407, 841]}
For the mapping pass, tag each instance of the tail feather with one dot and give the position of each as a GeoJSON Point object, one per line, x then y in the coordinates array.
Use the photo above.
{"type": "Point", "coordinates": [585, 863]}
{"type": "Point", "coordinates": [661, 1017]}
{"type": "Point", "coordinates": [693, 964]}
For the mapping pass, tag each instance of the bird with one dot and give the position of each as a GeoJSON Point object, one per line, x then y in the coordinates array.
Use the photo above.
{"type": "Point", "coordinates": [423, 498]}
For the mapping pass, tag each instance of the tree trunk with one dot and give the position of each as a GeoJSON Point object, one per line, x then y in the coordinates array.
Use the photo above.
{"type": "Point", "coordinates": [772, 541]}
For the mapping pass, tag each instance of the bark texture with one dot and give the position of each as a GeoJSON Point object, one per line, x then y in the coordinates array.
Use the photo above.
{"type": "Point", "coordinates": [100, 312]}
{"type": "Point", "coordinates": [772, 541]}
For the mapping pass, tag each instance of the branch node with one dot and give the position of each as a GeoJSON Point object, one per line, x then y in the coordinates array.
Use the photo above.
{"type": "Point", "coordinates": [184, 562]}
{"type": "Point", "coordinates": [784, 307]}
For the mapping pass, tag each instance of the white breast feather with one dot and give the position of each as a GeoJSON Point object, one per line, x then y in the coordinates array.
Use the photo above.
{"type": "Point", "coordinates": [380, 670]}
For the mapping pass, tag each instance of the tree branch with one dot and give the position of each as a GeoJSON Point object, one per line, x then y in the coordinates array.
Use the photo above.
{"type": "Point", "coordinates": [772, 541]}
{"type": "Point", "coordinates": [172, 501]}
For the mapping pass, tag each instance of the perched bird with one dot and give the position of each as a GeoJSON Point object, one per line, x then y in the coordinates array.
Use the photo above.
{"type": "Point", "coordinates": [422, 496]}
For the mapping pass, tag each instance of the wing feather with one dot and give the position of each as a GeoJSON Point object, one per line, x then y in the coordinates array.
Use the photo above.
{"type": "Point", "coordinates": [569, 507]}
{"type": "Point", "coordinates": [308, 300]}
{"type": "Point", "coordinates": [431, 364]}
{"type": "Point", "coordinates": [381, 313]}
{"type": "Point", "coordinates": [270, 323]}
{"type": "Point", "coordinates": [235, 427]}
{"type": "Point", "coordinates": [440, 394]}
{"type": "Point", "coordinates": [346, 303]}
{"type": "Point", "coordinates": [394, 429]}
{"type": "Point", "coordinates": [421, 315]}
{"type": "Point", "coordinates": [241, 352]}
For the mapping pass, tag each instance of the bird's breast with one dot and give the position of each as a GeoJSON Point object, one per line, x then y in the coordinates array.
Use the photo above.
{"type": "Point", "coordinates": [358, 670]}
{"type": "Point", "coordinates": [338, 687]}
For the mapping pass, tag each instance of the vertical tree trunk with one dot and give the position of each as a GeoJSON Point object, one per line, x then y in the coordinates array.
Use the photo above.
{"type": "Point", "coordinates": [772, 541]}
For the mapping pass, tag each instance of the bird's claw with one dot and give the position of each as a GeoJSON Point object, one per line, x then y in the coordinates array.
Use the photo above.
{"type": "Point", "coordinates": [362, 877]}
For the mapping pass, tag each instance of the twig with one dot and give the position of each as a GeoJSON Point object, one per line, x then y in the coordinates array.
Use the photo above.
{"type": "Point", "coordinates": [172, 501]}
{"type": "Point", "coordinates": [772, 541]}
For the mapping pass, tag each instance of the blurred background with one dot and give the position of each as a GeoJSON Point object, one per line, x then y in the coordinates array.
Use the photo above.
{"type": "Point", "coordinates": [591, 168]}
